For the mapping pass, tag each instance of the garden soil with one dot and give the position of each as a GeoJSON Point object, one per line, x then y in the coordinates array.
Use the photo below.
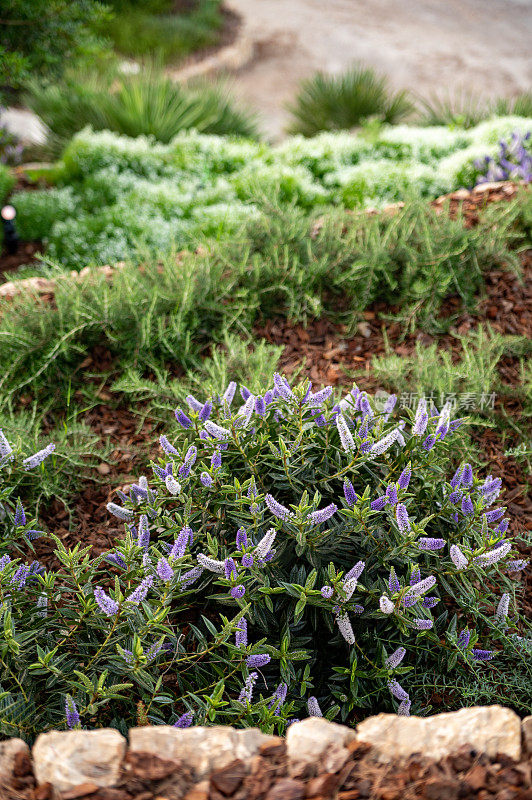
{"type": "Point", "coordinates": [466, 775]}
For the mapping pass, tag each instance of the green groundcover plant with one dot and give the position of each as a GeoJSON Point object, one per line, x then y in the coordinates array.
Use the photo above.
{"type": "Point", "coordinates": [292, 555]}
{"type": "Point", "coordinates": [116, 194]}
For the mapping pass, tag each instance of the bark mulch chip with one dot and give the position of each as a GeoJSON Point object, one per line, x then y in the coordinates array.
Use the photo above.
{"type": "Point", "coordinates": [465, 775]}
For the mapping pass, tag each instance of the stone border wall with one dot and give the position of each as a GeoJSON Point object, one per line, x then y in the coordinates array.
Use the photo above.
{"type": "Point", "coordinates": [68, 761]}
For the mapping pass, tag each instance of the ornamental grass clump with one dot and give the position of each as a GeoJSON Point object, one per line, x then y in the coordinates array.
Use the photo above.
{"type": "Point", "coordinates": [292, 554]}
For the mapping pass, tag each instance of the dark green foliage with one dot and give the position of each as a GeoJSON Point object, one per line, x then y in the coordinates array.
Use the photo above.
{"type": "Point", "coordinates": [338, 102]}
{"type": "Point", "coordinates": [42, 37]}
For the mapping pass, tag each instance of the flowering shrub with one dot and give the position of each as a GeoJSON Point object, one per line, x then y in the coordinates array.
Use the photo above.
{"type": "Point", "coordinates": [293, 555]}
{"type": "Point", "coordinates": [513, 161]}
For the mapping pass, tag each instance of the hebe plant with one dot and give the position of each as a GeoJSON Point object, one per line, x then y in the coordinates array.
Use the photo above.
{"type": "Point", "coordinates": [295, 555]}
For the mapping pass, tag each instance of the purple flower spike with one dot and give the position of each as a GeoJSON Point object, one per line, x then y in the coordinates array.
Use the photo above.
{"type": "Point", "coordinates": [456, 480]}
{"type": "Point", "coordinates": [216, 460]}
{"type": "Point", "coordinates": [491, 557]}
{"type": "Point", "coordinates": [430, 602]}
{"type": "Point", "coordinates": [206, 479]}
{"type": "Point", "coordinates": [397, 690]}
{"type": "Point", "coordinates": [404, 478]}
{"type": "Point", "coordinates": [420, 424]}
{"type": "Point", "coordinates": [393, 582]}
{"type": "Point", "coordinates": [230, 569]}
{"type": "Point", "coordinates": [467, 506]}
{"type": "Point", "coordinates": [205, 411]}
{"type": "Point", "coordinates": [503, 526]}
{"type": "Point", "coordinates": [355, 572]}
{"type": "Point", "coordinates": [237, 592]}
{"type": "Point", "coordinates": [326, 592]}
{"type": "Point", "coordinates": [140, 592]}
{"type": "Point", "coordinates": [517, 565]}
{"type": "Point", "coordinates": [415, 577]}
{"type": "Point", "coordinates": [144, 532]}
{"type": "Point", "coordinates": [20, 517]}
{"type": "Point", "coordinates": [258, 660]}
{"type": "Point", "coordinates": [379, 503]}
{"type": "Point", "coordinates": [422, 624]}
{"type": "Point", "coordinates": [6, 451]}
{"type": "Point", "coordinates": [463, 639]}
{"type": "Point", "coordinates": [185, 720]}
{"type": "Point", "coordinates": [495, 515]}
{"type": "Point", "coordinates": [229, 393]}
{"type": "Point", "coordinates": [278, 698]}
{"type": "Point", "coordinates": [346, 437]}
{"type": "Point", "coordinates": [467, 476]}
{"type": "Point", "coordinates": [391, 494]}
{"type": "Point", "coordinates": [116, 559]}
{"type": "Point", "coordinates": [241, 633]}
{"type": "Point", "coordinates": [164, 570]}
{"type": "Point", "coordinates": [260, 406]}
{"type": "Point", "coordinates": [404, 708]}
{"type": "Point", "coordinates": [396, 657]}
{"type": "Point", "coordinates": [482, 655]}
{"type": "Point", "coordinates": [322, 515]}
{"type": "Point", "coordinates": [401, 515]}
{"type": "Point", "coordinates": [314, 709]}
{"type": "Point", "coordinates": [121, 513]}
{"type": "Point", "coordinates": [502, 608]}
{"type": "Point", "coordinates": [429, 442]}
{"type": "Point", "coordinates": [167, 447]}
{"type": "Point", "coordinates": [71, 712]}
{"type": "Point", "coordinates": [318, 398]}
{"type": "Point", "coordinates": [216, 431]}
{"type": "Point", "coordinates": [283, 388]}
{"type": "Point", "coordinates": [458, 558]}
{"type": "Point", "coordinates": [182, 418]}
{"type": "Point", "coordinates": [107, 605]}
{"type": "Point", "coordinates": [246, 692]}
{"type": "Point", "coordinates": [349, 493]}
{"type": "Point", "coordinates": [382, 445]}
{"type": "Point", "coordinates": [278, 510]}
{"type": "Point", "coordinates": [241, 539]}
{"type": "Point", "coordinates": [428, 543]}
{"type": "Point", "coordinates": [37, 458]}
{"type": "Point", "coordinates": [247, 560]}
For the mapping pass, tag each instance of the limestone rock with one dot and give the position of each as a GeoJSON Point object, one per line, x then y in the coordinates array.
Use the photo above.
{"type": "Point", "coordinates": [527, 735]}
{"type": "Point", "coordinates": [8, 753]}
{"type": "Point", "coordinates": [202, 749]}
{"type": "Point", "coordinates": [67, 758]}
{"type": "Point", "coordinates": [488, 729]}
{"type": "Point", "coordinates": [308, 741]}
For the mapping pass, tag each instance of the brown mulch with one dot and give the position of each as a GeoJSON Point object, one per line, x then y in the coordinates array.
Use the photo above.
{"type": "Point", "coordinates": [465, 775]}
{"type": "Point", "coordinates": [26, 254]}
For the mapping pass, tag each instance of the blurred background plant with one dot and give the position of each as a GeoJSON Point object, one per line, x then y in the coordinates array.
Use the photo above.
{"type": "Point", "coordinates": [338, 102]}
{"type": "Point", "coordinates": [164, 29]}
{"type": "Point", "coordinates": [145, 104]}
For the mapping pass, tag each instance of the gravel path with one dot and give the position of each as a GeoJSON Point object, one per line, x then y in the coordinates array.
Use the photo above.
{"type": "Point", "coordinates": [480, 46]}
